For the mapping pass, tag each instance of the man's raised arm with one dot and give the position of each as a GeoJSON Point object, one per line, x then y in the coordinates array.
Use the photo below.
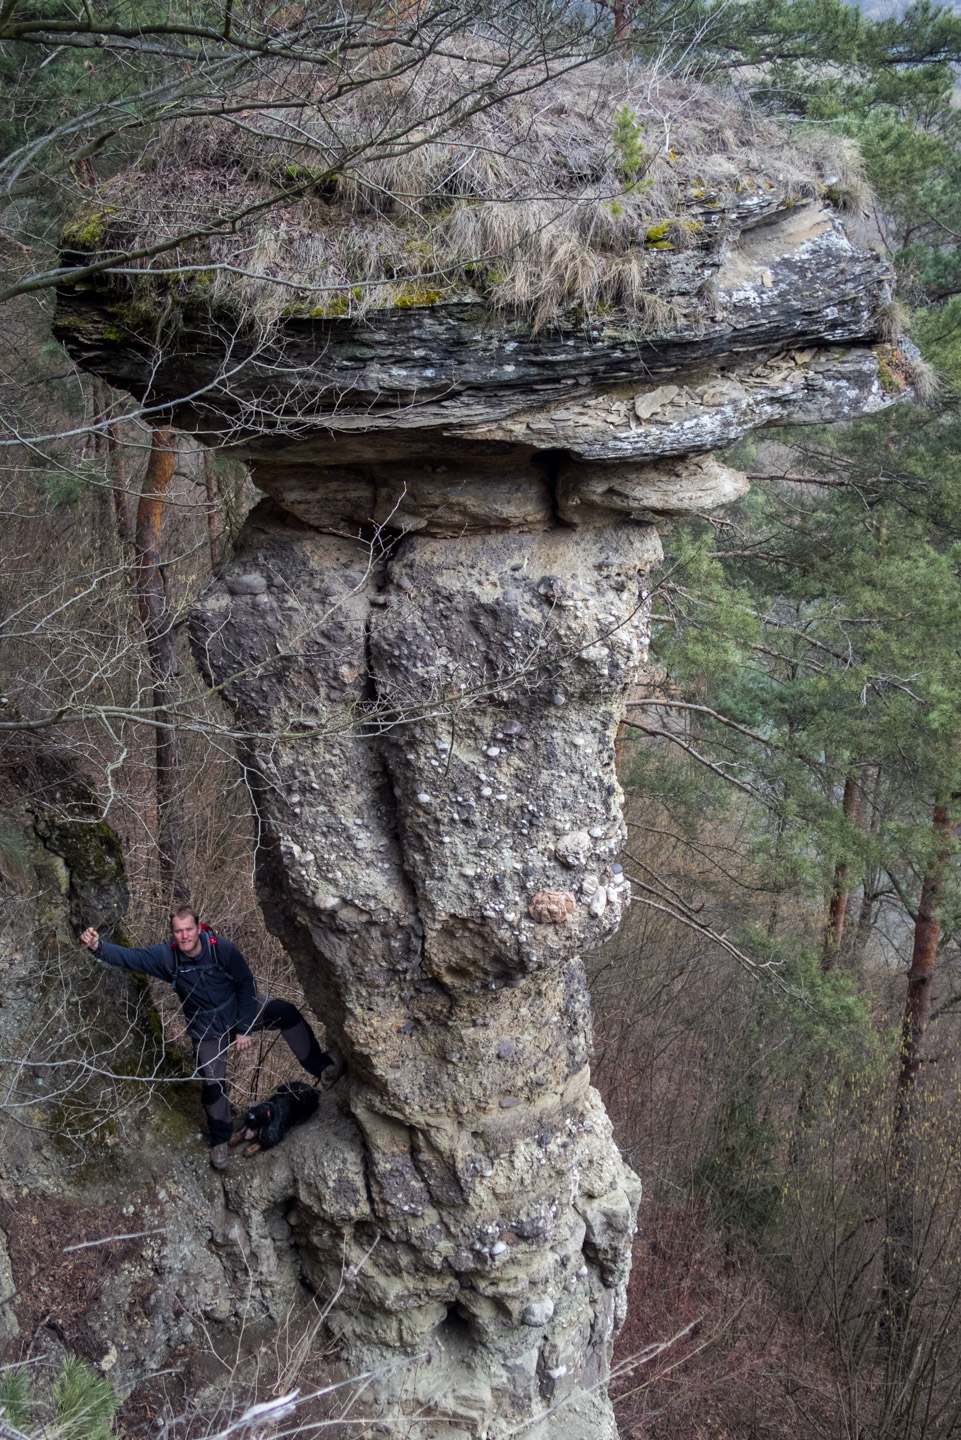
{"type": "Point", "coordinates": [150, 960]}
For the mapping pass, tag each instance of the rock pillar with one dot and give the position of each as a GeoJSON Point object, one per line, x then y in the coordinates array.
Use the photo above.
{"type": "Point", "coordinates": [428, 709]}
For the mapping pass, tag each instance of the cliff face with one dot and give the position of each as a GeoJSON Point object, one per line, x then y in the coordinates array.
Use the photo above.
{"type": "Point", "coordinates": [427, 633]}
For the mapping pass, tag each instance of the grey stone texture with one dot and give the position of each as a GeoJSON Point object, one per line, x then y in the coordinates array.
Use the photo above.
{"type": "Point", "coordinates": [427, 634]}
{"type": "Point", "coordinates": [416, 784]}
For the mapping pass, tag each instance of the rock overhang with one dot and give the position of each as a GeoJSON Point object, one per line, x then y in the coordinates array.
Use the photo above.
{"type": "Point", "coordinates": [427, 632]}
{"type": "Point", "coordinates": [662, 318]}
{"type": "Point", "coordinates": [451, 417]}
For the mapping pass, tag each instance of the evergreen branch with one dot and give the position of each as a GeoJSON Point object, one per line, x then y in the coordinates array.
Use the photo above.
{"type": "Point", "coordinates": [912, 912]}
{"type": "Point", "coordinates": [807, 480]}
{"type": "Point", "coordinates": [766, 971]}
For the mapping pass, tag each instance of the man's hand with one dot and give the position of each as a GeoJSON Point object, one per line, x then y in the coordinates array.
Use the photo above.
{"type": "Point", "coordinates": [243, 1042]}
{"type": "Point", "coordinates": [90, 938]}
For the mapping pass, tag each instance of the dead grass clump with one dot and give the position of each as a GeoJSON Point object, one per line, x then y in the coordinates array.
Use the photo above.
{"type": "Point", "coordinates": [925, 380]}
{"type": "Point", "coordinates": [406, 189]}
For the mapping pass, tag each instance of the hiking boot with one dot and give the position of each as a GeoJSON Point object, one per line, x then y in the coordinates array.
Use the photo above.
{"type": "Point", "coordinates": [219, 1154]}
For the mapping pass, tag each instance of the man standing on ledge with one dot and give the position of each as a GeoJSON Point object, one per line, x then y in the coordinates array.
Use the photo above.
{"type": "Point", "coordinates": [221, 1007]}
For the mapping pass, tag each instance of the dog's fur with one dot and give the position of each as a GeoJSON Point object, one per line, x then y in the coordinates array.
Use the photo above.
{"type": "Point", "coordinates": [266, 1124]}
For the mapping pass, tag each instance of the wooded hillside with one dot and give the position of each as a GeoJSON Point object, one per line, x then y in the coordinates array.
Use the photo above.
{"type": "Point", "coordinates": [777, 1020]}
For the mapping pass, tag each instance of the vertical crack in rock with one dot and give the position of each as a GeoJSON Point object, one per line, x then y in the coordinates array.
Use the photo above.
{"type": "Point", "coordinates": [511, 844]}
{"type": "Point", "coordinates": [433, 746]}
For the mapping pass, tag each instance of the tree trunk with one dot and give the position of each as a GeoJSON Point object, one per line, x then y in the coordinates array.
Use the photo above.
{"type": "Point", "coordinates": [900, 1256]}
{"type": "Point", "coordinates": [213, 519]}
{"type": "Point", "coordinates": [116, 471]}
{"type": "Point", "coordinates": [865, 921]}
{"type": "Point", "coordinates": [108, 444]}
{"type": "Point", "coordinates": [775, 912]}
{"type": "Point", "coordinates": [623, 14]}
{"type": "Point", "coordinates": [853, 808]}
{"type": "Point", "coordinates": [872, 889]}
{"type": "Point", "coordinates": [157, 623]}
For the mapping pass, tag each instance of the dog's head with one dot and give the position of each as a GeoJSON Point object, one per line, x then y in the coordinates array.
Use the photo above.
{"type": "Point", "coordinates": [256, 1118]}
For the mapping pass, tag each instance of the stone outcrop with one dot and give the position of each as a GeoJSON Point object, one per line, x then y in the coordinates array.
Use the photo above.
{"type": "Point", "coordinates": [760, 323]}
{"type": "Point", "coordinates": [426, 633]}
{"type": "Point", "coordinates": [441, 825]}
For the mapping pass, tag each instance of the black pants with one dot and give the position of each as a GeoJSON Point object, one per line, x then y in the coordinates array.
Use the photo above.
{"type": "Point", "coordinates": [210, 1054]}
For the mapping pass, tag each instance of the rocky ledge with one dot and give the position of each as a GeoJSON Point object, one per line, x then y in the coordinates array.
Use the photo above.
{"type": "Point", "coordinates": [427, 633]}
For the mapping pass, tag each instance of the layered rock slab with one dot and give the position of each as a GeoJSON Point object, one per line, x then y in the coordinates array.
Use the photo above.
{"type": "Point", "coordinates": [431, 732]}
{"type": "Point", "coordinates": [770, 276]}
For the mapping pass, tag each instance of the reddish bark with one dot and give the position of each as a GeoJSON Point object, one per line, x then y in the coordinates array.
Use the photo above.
{"type": "Point", "coordinates": [157, 623]}
{"type": "Point", "coordinates": [623, 16]}
{"type": "Point", "coordinates": [901, 1249]}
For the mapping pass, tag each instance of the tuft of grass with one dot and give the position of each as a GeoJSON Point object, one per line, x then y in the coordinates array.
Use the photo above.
{"type": "Point", "coordinates": [894, 318]}
{"type": "Point", "coordinates": [15, 1405]}
{"type": "Point", "coordinates": [925, 380]}
{"type": "Point", "coordinates": [542, 204]}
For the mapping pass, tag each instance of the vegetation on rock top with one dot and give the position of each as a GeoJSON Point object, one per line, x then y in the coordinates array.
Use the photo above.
{"type": "Point", "coordinates": [564, 197]}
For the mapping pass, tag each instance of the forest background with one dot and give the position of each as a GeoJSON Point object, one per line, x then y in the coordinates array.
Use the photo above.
{"type": "Point", "coordinates": [778, 1019]}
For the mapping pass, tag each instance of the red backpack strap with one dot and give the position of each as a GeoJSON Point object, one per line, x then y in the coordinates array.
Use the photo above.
{"type": "Point", "coordinates": [208, 931]}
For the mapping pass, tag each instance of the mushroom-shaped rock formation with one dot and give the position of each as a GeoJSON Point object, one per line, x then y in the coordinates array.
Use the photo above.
{"type": "Point", "coordinates": [427, 632]}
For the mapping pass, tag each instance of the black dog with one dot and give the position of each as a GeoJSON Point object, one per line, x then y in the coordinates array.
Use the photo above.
{"type": "Point", "coordinates": [266, 1124]}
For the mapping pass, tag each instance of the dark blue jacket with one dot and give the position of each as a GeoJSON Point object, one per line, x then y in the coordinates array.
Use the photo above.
{"type": "Point", "coordinates": [216, 989]}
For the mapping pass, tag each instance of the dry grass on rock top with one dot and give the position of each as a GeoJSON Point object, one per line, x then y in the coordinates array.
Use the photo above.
{"type": "Point", "coordinates": [413, 189]}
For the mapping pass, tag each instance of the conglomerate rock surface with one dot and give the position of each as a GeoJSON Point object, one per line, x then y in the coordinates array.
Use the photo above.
{"type": "Point", "coordinates": [441, 825]}
{"type": "Point", "coordinates": [427, 633]}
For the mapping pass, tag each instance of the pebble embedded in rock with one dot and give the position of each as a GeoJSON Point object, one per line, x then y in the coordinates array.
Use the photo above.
{"type": "Point", "coordinates": [505, 1049]}
{"type": "Point", "coordinates": [539, 1313]}
{"type": "Point", "coordinates": [246, 584]}
{"type": "Point", "coordinates": [509, 1101]}
{"type": "Point", "coordinates": [574, 849]}
{"type": "Point", "coordinates": [598, 902]}
{"type": "Point", "coordinates": [551, 907]}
